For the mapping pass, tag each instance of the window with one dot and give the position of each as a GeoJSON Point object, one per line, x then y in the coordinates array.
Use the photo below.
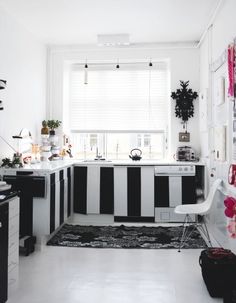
{"type": "Point", "coordinates": [119, 109]}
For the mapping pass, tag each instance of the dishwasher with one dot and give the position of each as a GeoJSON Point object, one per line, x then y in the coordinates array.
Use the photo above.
{"type": "Point", "coordinates": [174, 185]}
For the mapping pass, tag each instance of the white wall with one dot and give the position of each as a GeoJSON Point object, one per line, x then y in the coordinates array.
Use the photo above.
{"type": "Point", "coordinates": [222, 32]}
{"type": "Point", "coordinates": [23, 65]}
{"type": "Point", "coordinates": [184, 64]}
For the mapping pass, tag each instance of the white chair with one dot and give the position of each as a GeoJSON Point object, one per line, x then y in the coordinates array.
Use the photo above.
{"type": "Point", "coordinates": [197, 210]}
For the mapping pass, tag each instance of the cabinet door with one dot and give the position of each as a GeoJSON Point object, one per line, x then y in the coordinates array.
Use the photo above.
{"type": "Point", "coordinates": [120, 191]}
{"type": "Point", "coordinates": [3, 252]}
{"type": "Point", "coordinates": [175, 190]}
{"type": "Point", "coordinates": [52, 202]}
{"type": "Point", "coordinates": [147, 191]}
{"type": "Point", "coordinates": [80, 189]}
{"type": "Point", "coordinates": [68, 191]}
{"type": "Point", "coordinates": [106, 190]}
{"type": "Point", "coordinates": [62, 200]}
{"type": "Point", "coordinates": [57, 203]}
{"type": "Point", "coordinates": [161, 191]}
{"type": "Point", "coordinates": [188, 190]}
{"type": "Point", "coordinates": [65, 197]}
{"type": "Point", "coordinates": [93, 203]}
{"type": "Point", "coordinates": [134, 191]}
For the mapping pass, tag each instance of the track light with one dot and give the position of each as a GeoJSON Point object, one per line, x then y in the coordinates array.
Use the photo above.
{"type": "Point", "coordinates": [3, 84]}
{"type": "Point", "coordinates": [117, 65]}
{"type": "Point", "coordinates": [86, 73]}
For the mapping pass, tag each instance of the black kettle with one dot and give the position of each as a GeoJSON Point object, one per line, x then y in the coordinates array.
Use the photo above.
{"type": "Point", "coordinates": [135, 154]}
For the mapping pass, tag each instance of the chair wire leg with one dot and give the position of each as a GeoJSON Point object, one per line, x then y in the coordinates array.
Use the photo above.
{"type": "Point", "coordinates": [183, 237]}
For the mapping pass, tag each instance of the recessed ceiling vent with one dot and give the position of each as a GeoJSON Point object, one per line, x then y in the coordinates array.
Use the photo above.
{"type": "Point", "coordinates": [113, 40]}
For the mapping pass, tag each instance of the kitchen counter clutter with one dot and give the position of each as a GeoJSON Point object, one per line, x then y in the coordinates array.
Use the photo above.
{"type": "Point", "coordinates": [49, 166]}
{"type": "Point", "coordinates": [126, 190]}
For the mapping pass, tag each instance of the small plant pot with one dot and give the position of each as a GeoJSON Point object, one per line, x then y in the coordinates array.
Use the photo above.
{"type": "Point", "coordinates": [44, 131]}
{"type": "Point", "coordinates": [52, 132]}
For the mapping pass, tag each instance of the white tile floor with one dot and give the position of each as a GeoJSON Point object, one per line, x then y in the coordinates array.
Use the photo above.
{"type": "Point", "coordinates": [88, 275]}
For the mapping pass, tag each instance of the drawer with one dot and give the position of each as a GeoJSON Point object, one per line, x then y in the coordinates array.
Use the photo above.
{"type": "Point", "coordinates": [13, 225]}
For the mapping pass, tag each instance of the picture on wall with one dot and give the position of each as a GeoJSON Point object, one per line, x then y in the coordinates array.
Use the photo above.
{"type": "Point", "coordinates": [220, 143]}
{"type": "Point", "coordinates": [220, 90]}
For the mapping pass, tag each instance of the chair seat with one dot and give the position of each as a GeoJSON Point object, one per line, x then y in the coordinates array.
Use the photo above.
{"type": "Point", "coordinates": [195, 209]}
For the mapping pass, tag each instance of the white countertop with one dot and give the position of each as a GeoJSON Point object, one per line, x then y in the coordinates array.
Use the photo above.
{"type": "Point", "coordinates": [59, 164]}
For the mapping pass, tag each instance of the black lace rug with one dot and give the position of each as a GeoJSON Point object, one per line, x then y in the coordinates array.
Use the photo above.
{"type": "Point", "coordinates": [124, 237]}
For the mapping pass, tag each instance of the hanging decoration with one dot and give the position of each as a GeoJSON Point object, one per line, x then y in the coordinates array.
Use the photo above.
{"type": "Point", "coordinates": [231, 76]}
{"type": "Point", "coordinates": [184, 97]}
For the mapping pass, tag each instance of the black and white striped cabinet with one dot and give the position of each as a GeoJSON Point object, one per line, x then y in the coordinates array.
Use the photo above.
{"type": "Point", "coordinates": [171, 191]}
{"type": "Point", "coordinates": [93, 189]}
{"type": "Point", "coordinates": [60, 197]}
{"type": "Point", "coordinates": [126, 192]}
{"type": "Point", "coordinates": [51, 211]}
{"type": "Point", "coordinates": [134, 193]}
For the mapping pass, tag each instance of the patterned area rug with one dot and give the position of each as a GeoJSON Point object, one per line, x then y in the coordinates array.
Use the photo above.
{"type": "Point", "coordinates": [124, 237]}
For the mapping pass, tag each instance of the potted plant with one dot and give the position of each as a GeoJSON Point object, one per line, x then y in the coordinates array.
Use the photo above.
{"type": "Point", "coordinates": [17, 160]}
{"type": "Point", "coordinates": [6, 162]}
{"type": "Point", "coordinates": [53, 124]}
{"type": "Point", "coordinates": [44, 129]}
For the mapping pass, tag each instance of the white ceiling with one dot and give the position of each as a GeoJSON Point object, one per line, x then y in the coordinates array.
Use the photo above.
{"type": "Point", "coordinates": [80, 21]}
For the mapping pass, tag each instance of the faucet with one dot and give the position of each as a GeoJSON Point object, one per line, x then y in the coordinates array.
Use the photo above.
{"type": "Point", "coordinates": [98, 156]}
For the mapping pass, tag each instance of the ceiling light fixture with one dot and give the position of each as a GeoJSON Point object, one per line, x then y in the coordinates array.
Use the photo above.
{"type": "Point", "coordinates": [113, 40]}
{"type": "Point", "coordinates": [86, 72]}
{"type": "Point", "coordinates": [117, 65]}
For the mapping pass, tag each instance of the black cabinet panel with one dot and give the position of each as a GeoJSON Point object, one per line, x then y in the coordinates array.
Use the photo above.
{"type": "Point", "coordinates": [188, 190]}
{"type": "Point", "coordinates": [52, 178]}
{"type": "Point", "coordinates": [134, 191]}
{"type": "Point", "coordinates": [38, 187]}
{"type": "Point", "coordinates": [61, 175]}
{"type": "Point", "coordinates": [62, 200]}
{"type": "Point", "coordinates": [4, 252]}
{"type": "Point", "coordinates": [28, 187]}
{"type": "Point", "coordinates": [68, 191]}
{"type": "Point", "coordinates": [80, 189]}
{"type": "Point", "coordinates": [106, 190]}
{"type": "Point", "coordinates": [161, 191]}
{"type": "Point", "coordinates": [52, 202]}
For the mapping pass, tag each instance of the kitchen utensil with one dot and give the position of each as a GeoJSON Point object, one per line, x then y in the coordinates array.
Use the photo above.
{"type": "Point", "coordinates": [135, 154]}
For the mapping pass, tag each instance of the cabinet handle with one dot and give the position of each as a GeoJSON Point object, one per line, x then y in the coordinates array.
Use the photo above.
{"type": "Point", "coordinates": [0, 224]}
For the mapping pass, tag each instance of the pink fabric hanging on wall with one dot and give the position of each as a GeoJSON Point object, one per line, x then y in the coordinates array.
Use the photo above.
{"type": "Point", "coordinates": [231, 58]}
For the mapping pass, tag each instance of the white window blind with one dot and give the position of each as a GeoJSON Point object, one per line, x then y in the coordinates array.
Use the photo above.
{"type": "Point", "coordinates": [133, 97]}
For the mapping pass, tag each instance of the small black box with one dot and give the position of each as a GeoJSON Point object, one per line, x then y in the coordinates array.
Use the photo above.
{"type": "Point", "coordinates": [218, 271]}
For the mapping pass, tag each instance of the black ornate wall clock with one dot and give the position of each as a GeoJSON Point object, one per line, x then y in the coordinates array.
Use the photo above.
{"type": "Point", "coordinates": [184, 108]}
{"type": "Point", "coordinates": [184, 97]}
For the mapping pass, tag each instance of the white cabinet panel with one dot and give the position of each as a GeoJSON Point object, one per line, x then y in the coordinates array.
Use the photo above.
{"type": "Point", "coordinates": [147, 191]}
{"type": "Point", "coordinates": [93, 189]}
{"type": "Point", "coordinates": [120, 191]}
{"type": "Point", "coordinates": [57, 204]}
{"type": "Point", "coordinates": [175, 191]}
